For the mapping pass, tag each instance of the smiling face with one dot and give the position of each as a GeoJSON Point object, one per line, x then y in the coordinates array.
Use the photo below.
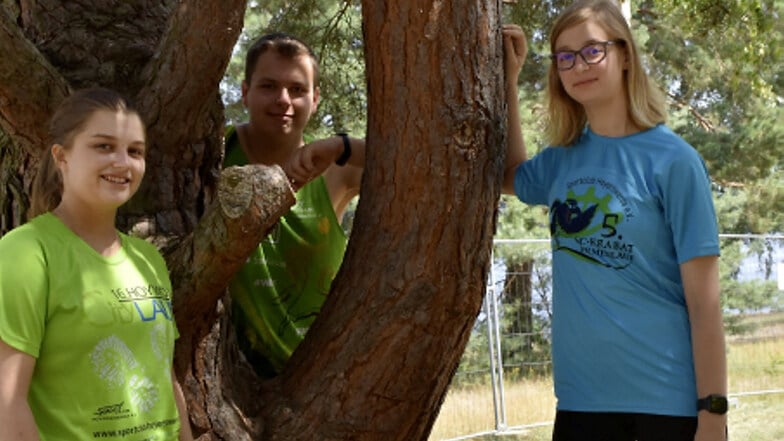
{"type": "Point", "coordinates": [105, 162]}
{"type": "Point", "coordinates": [281, 95]}
{"type": "Point", "coordinates": [599, 84]}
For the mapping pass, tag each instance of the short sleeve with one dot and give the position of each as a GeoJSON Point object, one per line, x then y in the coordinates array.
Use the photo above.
{"type": "Point", "coordinates": [688, 207]}
{"type": "Point", "coordinates": [23, 291]}
{"type": "Point", "coordinates": [531, 182]}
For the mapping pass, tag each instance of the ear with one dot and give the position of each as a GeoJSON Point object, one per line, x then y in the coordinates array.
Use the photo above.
{"type": "Point", "coordinates": [58, 154]}
{"type": "Point", "coordinates": [316, 98]}
{"type": "Point", "coordinates": [245, 88]}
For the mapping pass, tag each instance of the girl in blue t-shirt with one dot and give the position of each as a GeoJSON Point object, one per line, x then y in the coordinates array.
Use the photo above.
{"type": "Point", "coordinates": [637, 343]}
{"type": "Point", "coordinates": [86, 330]}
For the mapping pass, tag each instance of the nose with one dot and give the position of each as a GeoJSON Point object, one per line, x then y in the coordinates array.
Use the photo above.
{"type": "Point", "coordinates": [283, 96]}
{"type": "Point", "coordinates": [579, 62]}
{"type": "Point", "coordinates": [121, 158]}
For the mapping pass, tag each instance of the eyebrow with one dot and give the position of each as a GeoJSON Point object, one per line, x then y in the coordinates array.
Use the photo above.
{"type": "Point", "coordinates": [275, 81]}
{"type": "Point", "coordinates": [114, 138]}
{"type": "Point", "coordinates": [586, 43]}
{"type": "Point", "coordinates": [102, 135]}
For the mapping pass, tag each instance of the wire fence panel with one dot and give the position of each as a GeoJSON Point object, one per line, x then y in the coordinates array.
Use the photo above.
{"type": "Point", "coordinates": [504, 384]}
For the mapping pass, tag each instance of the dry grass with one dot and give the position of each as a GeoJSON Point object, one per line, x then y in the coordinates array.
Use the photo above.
{"type": "Point", "coordinates": [470, 410]}
{"type": "Point", "coordinates": [755, 362]}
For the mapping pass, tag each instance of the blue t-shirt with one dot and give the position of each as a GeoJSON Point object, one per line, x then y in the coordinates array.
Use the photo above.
{"type": "Point", "coordinates": [624, 214]}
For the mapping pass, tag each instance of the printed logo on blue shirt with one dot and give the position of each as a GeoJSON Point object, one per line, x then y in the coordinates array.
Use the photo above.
{"type": "Point", "coordinates": [587, 223]}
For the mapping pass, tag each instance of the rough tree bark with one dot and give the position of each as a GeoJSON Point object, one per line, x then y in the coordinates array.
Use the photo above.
{"type": "Point", "coordinates": [382, 353]}
{"type": "Point", "coordinates": [169, 57]}
{"type": "Point", "coordinates": [378, 361]}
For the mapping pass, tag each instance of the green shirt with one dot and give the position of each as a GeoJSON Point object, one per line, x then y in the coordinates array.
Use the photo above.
{"type": "Point", "coordinates": [101, 330]}
{"type": "Point", "coordinates": [280, 290]}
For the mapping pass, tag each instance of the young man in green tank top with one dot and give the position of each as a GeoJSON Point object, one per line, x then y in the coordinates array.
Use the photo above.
{"type": "Point", "coordinates": [280, 290]}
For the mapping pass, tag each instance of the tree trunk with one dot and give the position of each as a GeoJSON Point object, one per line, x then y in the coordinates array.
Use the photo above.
{"type": "Point", "coordinates": [518, 296]}
{"type": "Point", "coordinates": [378, 361]}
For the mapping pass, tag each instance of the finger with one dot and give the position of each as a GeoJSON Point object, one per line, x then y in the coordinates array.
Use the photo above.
{"type": "Point", "coordinates": [514, 40]}
{"type": "Point", "coordinates": [299, 176]}
{"type": "Point", "coordinates": [295, 172]}
{"type": "Point", "coordinates": [510, 28]}
{"type": "Point", "coordinates": [520, 46]}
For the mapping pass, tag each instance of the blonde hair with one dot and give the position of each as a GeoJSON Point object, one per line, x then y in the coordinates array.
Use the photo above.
{"type": "Point", "coordinates": [67, 121]}
{"type": "Point", "coordinates": [566, 118]}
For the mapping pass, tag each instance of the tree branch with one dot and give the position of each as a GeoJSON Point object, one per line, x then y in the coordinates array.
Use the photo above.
{"type": "Point", "coordinates": [30, 88]}
{"type": "Point", "coordinates": [249, 202]}
{"type": "Point", "coordinates": [180, 81]}
{"type": "Point", "coordinates": [704, 122]}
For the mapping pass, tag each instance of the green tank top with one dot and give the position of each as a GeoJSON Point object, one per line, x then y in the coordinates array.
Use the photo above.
{"type": "Point", "coordinates": [281, 288]}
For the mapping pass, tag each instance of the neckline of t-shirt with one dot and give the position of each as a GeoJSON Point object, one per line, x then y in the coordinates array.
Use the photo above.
{"type": "Point", "coordinates": [72, 237]}
{"type": "Point", "coordinates": [591, 134]}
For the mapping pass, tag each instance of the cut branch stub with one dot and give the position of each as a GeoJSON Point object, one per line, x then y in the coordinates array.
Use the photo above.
{"type": "Point", "coordinates": [223, 393]}
{"type": "Point", "coordinates": [249, 202]}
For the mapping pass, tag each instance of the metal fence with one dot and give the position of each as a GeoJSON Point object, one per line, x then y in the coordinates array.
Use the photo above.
{"type": "Point", "coordinates": [509, 346]}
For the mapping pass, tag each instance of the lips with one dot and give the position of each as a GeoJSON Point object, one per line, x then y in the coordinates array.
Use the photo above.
{"type": "Point", "coordinates": [279, 110]}
{"type": "Point", "coordinates": [584, 82]}
{"type": "Point", "coordinates": [115, 179]}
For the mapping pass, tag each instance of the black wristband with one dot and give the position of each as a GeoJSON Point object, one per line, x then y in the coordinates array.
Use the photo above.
{"type": "Point", "coordinates": [343, 158]}
{"type": "Point", "coordinates": [713, 403]}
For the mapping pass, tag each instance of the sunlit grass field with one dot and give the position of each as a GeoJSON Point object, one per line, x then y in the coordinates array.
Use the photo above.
{"type": "Point", "coordinates": [756, 384]}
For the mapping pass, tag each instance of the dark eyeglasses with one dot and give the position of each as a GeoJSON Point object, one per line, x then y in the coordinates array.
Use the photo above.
{"type": "Point", "coordinates": [592, 54]}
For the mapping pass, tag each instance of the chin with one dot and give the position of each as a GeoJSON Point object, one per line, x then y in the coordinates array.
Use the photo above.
{"type": "Point", "coordinates": [115, 201]}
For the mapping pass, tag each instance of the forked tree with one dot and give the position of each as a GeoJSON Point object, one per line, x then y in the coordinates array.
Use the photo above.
{"type": "Point", "coordinates": [378, 361]}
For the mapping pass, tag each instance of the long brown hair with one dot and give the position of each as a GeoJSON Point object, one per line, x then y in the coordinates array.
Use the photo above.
{"type": "Point", "coordinates": [67, 121]}
{"type": "Point", "coordinates": [566, 117]}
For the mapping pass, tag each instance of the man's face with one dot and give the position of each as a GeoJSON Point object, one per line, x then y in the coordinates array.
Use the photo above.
{"type": "Point", "coordinates": [281, 95]}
